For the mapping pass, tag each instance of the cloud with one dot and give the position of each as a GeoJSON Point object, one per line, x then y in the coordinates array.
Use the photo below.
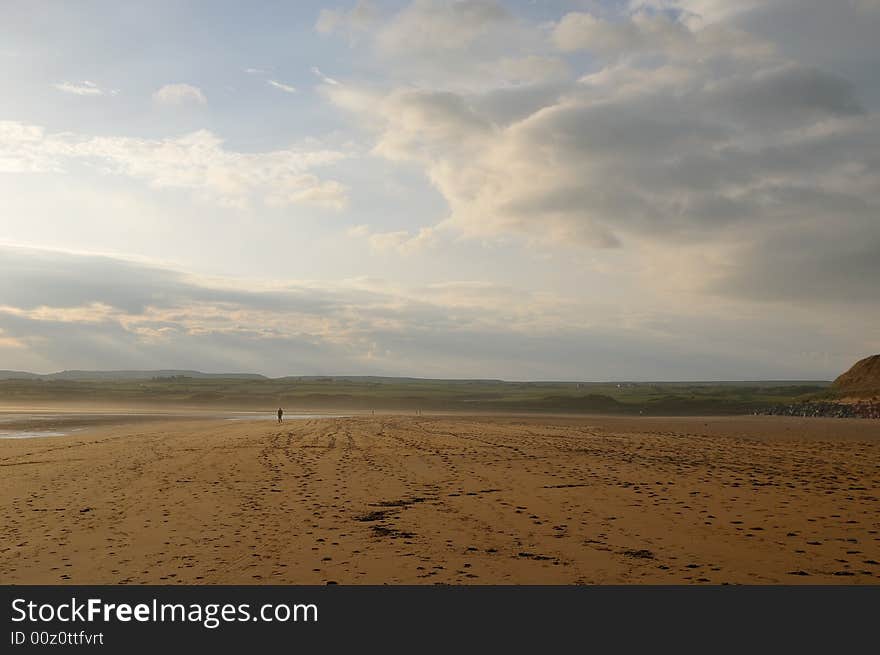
{"type": "Point", "coordinates": [402, 242]}
{"type": "Point", "coordinates": [691, 129]}
{"type": "Point", "coordinates": [281, 86]}
{"type": "Point", "coordinates": [426, 26]}
{"type": "Point", "coordinates": [77, 310]}
{"type": "Point", "coordinates": [712, 165]}
{"type": "Point", "coordinates": [531, 69]}
{"type": "Point", "coordinates": [55, 301]}
{"type": "Point", "coordinates": [198, 162]}
{"type": "Point", "coordinates": [465, 44]}
{"type": "Point", "coordinates": [326, 80]}
{"type": "Point", "coordinates": [648, 33]}
{"type": "Point", "coordinates": [583, 31]}
{"type": "Point", "coordinates": [816, 263]}
{"type": "Point", "coordinates": [783, 97]}
{"type": "Point", "coordinates": [180, 94]}
{"type": "Point", "coordinates": [701, 12]}
{"type": "Point", "coordinates": [23, 149]}
{"type": "Point", "coordinates": [9, 342]}
{"type": "Point", "coordinates": [351, 22]}
{"type": "Point", "coordinates": [84, 88]}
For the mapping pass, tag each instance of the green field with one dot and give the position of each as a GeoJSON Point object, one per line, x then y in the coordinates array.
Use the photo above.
{"type": "Point", "coordinates": [366, 393]}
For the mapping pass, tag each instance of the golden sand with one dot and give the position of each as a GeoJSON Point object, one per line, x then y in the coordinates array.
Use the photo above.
{"type": "Point", "coordinates": [446, 499]}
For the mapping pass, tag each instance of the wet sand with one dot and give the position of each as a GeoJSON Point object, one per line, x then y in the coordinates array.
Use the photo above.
{"type": "Point", "coordinates": [37, 423]}
{"type": "Point", "coordinates": [446, 499]}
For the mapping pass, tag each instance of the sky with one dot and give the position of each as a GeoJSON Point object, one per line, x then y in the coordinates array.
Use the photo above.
{"type": "Point", "coordinates": [594, 190]}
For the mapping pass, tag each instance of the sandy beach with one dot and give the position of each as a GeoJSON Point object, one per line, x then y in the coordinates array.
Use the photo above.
{"type": "Point", "coordinates": [446, 499]}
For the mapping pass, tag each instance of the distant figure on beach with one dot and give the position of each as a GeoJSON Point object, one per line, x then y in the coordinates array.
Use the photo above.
{"type": "Point", "coordinates": [280, 415]}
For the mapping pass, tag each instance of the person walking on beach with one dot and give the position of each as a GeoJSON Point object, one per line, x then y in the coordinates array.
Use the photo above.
{"type": "Point", "coordinates": [280, 415]}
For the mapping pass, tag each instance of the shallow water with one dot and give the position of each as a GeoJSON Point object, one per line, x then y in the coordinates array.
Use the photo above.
{"type": "Point", "coordinates": [31, 434]}
{"type": "Point", "coordinates": [32, 425]}
{"type": "Point", "coordinates": [260, 416]}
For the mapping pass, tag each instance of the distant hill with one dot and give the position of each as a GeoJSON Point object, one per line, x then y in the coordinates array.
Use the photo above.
{"type": "Point", "coordinates": [126, 375]}
{"type": "Point", "coordinates": [380, 379]}
{"type": "Point", "coordinates": [17, 375]}
{"type": "Point", "coordinates": [862, 380]}
{"type": "Point", "coordinates": [186, 388]}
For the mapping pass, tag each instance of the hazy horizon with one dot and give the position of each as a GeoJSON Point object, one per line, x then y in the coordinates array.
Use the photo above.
{"type": "Point", "coordinates": [221, 373]}
{"type": "Point", "coordinates": [596, 190]}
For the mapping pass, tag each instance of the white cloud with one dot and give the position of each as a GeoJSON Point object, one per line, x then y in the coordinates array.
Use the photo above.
{"type": "Point", "coordinates": [310, 190]}
{"type": "Point", "coordinates": [84, 88]}
{"type": "Point", "coordinates": [325, 79]}
{"type": "Point", "coordinates": [281, 86]}
{"type": "Point", "coordinates": [198, 162]}
{"type": "Point", "coordinates": [23, 149]}
{"type": "Point", "coordinates": [178, 94]}
{"type": "Point", "coordinates": [402, 242]}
